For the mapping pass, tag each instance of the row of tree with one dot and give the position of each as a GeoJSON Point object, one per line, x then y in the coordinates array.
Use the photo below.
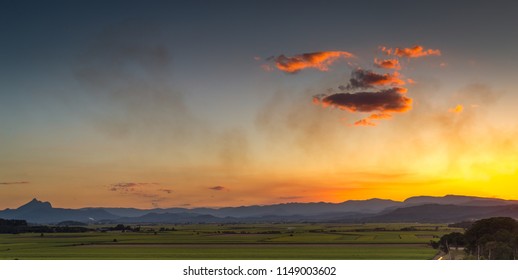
{"type": "Point", "coordinates": [21, 226]}
{"type": "Point", "coordinates": [490, 239]}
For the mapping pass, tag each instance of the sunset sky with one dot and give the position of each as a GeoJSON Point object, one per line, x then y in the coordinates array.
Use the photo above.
{"type": "Point", "coordinates": [225, 103]}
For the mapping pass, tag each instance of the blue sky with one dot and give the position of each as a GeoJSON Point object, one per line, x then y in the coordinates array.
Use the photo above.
{"type": "Point", "coordinates": [169, 92]}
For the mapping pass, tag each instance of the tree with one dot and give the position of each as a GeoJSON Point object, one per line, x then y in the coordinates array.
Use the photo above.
{"type": "Point", "coordinates": [120, 227]}
{"type": "Point", "coordinates": [454, 239]}
{"type": "Point", "coordinates": [493, 238]}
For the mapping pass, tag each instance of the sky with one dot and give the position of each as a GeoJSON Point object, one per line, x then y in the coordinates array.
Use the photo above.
{"type": "Point", "coordinates": [225, 103]}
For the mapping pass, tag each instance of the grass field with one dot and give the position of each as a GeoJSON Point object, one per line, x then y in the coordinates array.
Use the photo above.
{"type": "Point", "coordinates": [249, 241]}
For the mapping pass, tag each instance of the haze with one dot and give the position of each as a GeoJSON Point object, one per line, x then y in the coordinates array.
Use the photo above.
{"type": "Point", "coordinates": [227, 103]}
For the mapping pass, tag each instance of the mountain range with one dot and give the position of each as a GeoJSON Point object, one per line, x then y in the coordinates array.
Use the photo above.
{"type": "Point", "coordinates": [449, 208]}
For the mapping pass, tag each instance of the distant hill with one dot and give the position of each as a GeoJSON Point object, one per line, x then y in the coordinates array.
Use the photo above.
{"type": "Point", "coordinates": [306, 209]}
{"type": "Point", "coordinates": [286, 209]}
{"type": "Point", "coordinates": [458, 200]}
{"type": "Point", "coordinates": [449, 208]}
{"type": "Point", "coordinates": [180, 218]}
{"type": "Point", "coordinates": [445, 213]}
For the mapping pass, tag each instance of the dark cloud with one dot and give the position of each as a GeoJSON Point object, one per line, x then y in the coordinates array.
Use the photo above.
{"type": "Point", "coordinates": [364, 79]}
{"type": "Point", "coordinates": [129, 187]}
{"type": "Point", "coordinates": [14, 183]}
{"type": "Point", "coordinates": [217, 188]}
{"type": "Point", "coordinates": [381, 103]}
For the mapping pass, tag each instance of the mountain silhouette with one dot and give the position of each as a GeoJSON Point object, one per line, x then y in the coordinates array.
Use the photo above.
{"type": "Point", "coordinates": [35, 205]}
{"type": "Point", "coordinates": [445, 213]}
{"type": "Point", "coordinates": [43, 213]}
{"type": "Point", "coordinates": [458, 200]}
{"type": "Point", "coordinates": [449, 208]}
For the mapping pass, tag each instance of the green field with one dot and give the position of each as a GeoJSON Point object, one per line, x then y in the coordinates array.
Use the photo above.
{"type": "Point", "coordinates": [241, 241]}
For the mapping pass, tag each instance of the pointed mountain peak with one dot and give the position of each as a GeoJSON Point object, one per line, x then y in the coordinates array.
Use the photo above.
{"type": "Point", "coordinates": [35, 204]}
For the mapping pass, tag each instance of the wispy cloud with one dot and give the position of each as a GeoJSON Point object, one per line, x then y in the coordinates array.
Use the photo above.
{"type": "Point", "coordinates": [480, 94]}
{"type": "Point", "coordinates": [267, 67]}
{"type": "Point", "coordinates": [129, 186]}
{"type": "Point", "coordinates": [168, 191]}
{"type": "Point", "coordinates": [369, 121]}
{"type": "Point", "coordinates": [217, 188]}
{"type": "Point", "coordinates": [413, 52]}
{"type": "Point", "coordinates": [144, 190]}
{"type": "Point", "coordinates": [14, 183]}
{"type": "Point", "coordinates": [317, 60]}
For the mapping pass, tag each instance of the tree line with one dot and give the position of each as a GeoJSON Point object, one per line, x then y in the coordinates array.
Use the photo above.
{"type": "Point", "coordinates": [21, 226]}
{"type": "Point", "coordinates": [486, 239]}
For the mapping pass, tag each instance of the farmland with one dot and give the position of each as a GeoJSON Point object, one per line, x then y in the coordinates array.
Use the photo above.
{"type": "Point", "coordinates": [232, 241]}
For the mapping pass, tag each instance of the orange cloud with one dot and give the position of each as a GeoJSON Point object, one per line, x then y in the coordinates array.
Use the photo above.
{"type": "Point", "coordinates": [457, 109]}
{"type": "Point", "coordinates": [387, 63]}
{"type": "Point", "coordinates": [318, 60]}
{"type": "Point", "coordinates": [364, 122]}
{"type": "Point", "coordinates": [362, 79]}
{"type": "Point", "coordinates": [368, 121]}
{"type": "Point", "coordinates": [385, 50]}
{"type": "Point", "coordinates": [381, 103]}
{"type": "Point", "coordinates": [380, 116]}
{"type": "Point", "coordinates": [413, 52]}
{"type": "Point", "coordinates": [400, 89]}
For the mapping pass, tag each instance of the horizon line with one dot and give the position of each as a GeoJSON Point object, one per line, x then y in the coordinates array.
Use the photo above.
{"type": "Point", "coordinates": [262, 205]}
